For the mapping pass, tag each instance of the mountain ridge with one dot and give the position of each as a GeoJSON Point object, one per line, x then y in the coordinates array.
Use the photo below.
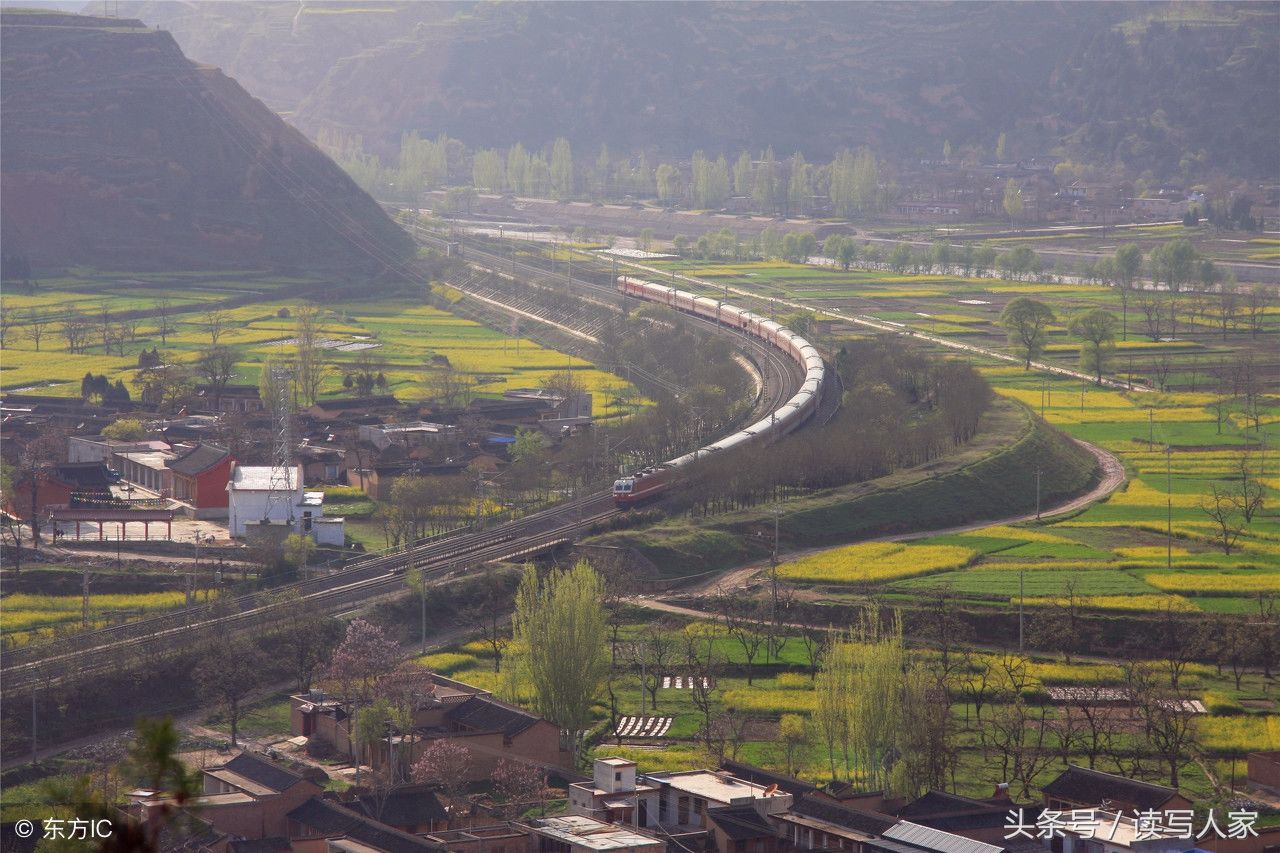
{"type": "Point", "coordinates": [1149, 84]}
{"type": "Point", "coordinates": [121, 153]}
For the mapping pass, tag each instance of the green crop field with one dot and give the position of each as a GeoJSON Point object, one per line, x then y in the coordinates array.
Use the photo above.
{"type": "Point", "coordinates": [408, 340]}
{"type": "Point", "coordinates": [1109, 550]}
{"type": "Point", "coordinates": [784, 686]}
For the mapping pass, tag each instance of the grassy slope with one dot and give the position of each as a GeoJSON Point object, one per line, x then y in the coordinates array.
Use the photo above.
{"type": "Point", "coordinates": [959, 489]}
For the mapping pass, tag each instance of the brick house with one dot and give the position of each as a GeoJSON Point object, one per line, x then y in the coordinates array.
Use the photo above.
{"type": "Point", "coordinates": [491, 729]}
{"type": "Point", "coordinates": [323, 826]}
{"type": "Point", "coordinates": [248, 797]}
{"type": "Point", "coordinates": [200, 475]}
{"type": "Point", "coordinates": [58, 487]}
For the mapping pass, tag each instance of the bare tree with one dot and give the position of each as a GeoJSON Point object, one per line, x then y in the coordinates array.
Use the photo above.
{"type": "Point", "coordinates": [1223, 510]}
{"type": "Point", "coordinates": [36, 325]}
{"type": "Point", "coordinates": [217, 366]}
{"type": "Point", "coordinates": [1250, 490]}
{"type": "Point", "coordinates": [215, 321]}
{"type": "Point", "coordinates": [1167, 718]}
{"type": "Point", "coordinates": [742, 618]}
{"type": "Point", "coordinates": [227, 673]}
{"type": "Point", "coordinates": [164, 322]}
{"type": "Point", "coordinates": [75, 329]}
{"type": "Point", "coordinates": [8, 319]}
{"type": "Point", "coordinates": [1153, 311]}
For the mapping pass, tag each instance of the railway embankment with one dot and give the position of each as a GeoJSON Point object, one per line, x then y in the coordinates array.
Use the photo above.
{"type": "Point", "coordinates": [992, 477]}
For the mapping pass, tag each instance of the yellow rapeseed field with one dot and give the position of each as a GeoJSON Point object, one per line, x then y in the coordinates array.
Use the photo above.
{"type": "Point", "coordinates": [870, 562]}
{"type": "Point", "coordinates": [1233, 584]}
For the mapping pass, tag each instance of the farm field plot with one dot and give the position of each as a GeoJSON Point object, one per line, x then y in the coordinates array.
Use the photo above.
{"type": "Point", "coordinates": [26, 616]}
{"type": "Point", "coordinates": [783, 685]}
{"type": "Point", "coordinates": [1108, 550]}
{"type": "Point", "coordinates": [407, 341]}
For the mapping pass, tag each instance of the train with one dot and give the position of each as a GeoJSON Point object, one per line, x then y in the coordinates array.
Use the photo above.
{"type": "Point", "coordinates": [652, 481]}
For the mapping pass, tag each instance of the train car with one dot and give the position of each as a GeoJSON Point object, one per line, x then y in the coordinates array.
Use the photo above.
{"type": "Point", "coordinates": [651, 482]}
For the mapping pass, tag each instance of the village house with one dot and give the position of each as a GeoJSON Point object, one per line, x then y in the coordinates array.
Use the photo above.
{"type": "Point", "coordinates": [815, 822]}
{"type": "Point", "coordinates": [230, 398]}
{"type": "Point", "coordinates": [982, 820]}
{"type": "Point", "coordinates": [411, 434]}
{"type": "Point", "coordinates": [98, 448]}
{"type": "Point", "coordinates": [492, 730]}
{"type": "Point", "coordinates": [743, 829]}
{"type": "Point", "coordinates": [247, 797]}
{"type": "Point", "coordinates": [578, 834]}
{"type": "Point", "coordinates": [324, 826]}
{"type": "Point", "coordinates": [263, 496]}
{"type": "Point", "coordinates": [62, 486]}
{"type": "Point", "coordinates": [907, 837]}
{"type": "Point", "coordinates": [494, 838]}
{"type": "Point", "coordinates": [200, 474]}
{"type": "Point", "coordinates": [1081, 788]}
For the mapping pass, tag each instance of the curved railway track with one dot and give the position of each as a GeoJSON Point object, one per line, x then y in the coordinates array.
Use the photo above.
{"type": "Point", "coordinates": [104, 649]}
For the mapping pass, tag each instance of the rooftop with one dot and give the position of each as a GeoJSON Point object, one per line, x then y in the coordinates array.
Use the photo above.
{"type": "Point", "coordinates": [718, 787]}
{"type": "Point", "coordinates": [936, 839]}
{"type": "Point", "coordinates": [258, 478]}
{"type": "Point", "coordinates": [1082, 785]}
{"type": "Point", "coordinates": [263, 771]}
{"type": "Point", "coordinates": [200, 458]}
{"type": "Point", "coordinates": [484, 713]}
{"type": "Point", "coordinates": [579, 831]}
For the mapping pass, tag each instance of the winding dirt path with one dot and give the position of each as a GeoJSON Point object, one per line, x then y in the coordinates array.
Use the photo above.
{"type": "Point", "coordinates": [1112, 478]}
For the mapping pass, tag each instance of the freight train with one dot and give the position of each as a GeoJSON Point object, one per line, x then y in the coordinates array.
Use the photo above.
{"type": "Point", "coordinates": [652, 481]}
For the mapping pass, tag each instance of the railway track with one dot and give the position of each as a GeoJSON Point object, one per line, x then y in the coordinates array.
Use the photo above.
{"type": "Point", "coordinates": [367, 579]}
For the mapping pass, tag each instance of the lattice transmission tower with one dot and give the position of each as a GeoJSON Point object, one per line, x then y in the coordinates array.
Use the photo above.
{"type": "Point", "coordinates": [281, 490]}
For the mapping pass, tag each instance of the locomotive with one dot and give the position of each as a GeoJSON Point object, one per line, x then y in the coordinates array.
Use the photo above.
{"type": "Point", "coordinates": [652, 481]}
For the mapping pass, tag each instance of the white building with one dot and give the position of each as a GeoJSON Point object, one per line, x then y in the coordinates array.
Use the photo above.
{"type": "Point", "coordinates": [262, 493]}
{"type": "Point", "coordinates": [675, 802]}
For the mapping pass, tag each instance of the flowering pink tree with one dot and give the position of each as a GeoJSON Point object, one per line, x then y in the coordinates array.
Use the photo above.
{"type": "Point", "coordinates": [445, 763]}
{"type": "Point", "coordinates": [365, 655]}
{"type": "Point", "coordinates": [517, 785]}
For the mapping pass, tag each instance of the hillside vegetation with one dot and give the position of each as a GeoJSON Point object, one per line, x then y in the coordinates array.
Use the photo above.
{"type": "Point", "coordinates": [119, 153]}
{"type": "Point", "coordinates": [1156, 86]}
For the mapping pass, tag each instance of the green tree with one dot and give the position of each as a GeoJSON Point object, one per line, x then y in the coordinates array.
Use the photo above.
{"type": "Point", "coordinates": [800, 185]}
{"type": "Point", "coordinates": [561, 169]}
{"type": "Point", "coordinates": [1012, 199]}
{"type": "Point", "coordinates": [764, 191]}
{"type": "Point", "coordinates": [1127, 267]}
{"type": "Point", "coordinates": [560, 629]}
{"type": "Point", "coordinates": [1027, 321]}
{"type": "Point", "coordinates": [298, 549]}
{"type": "Point", "coordinates": [667, 178]}
{"type": "Point", "coordinates": [1097, 332]}
{"type": "Point", "coordinates": [900, 258]}
{"type": "Point", "coordinates": [1174, 265]}
{"type": "Point", "coordinates": [742, 184]}
{"type": "Point", "coordinates": [125, 429]}
{"type": "Point", "coordinates": [1000, 147]}
{"type": "Point", "coordinates": [793, 734]}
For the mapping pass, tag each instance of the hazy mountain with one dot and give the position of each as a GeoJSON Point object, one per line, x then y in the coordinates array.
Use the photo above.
{"type": "Point", "coordinates": [1154, 85]}
{"type": "Point", "coordinates": [121, 153]}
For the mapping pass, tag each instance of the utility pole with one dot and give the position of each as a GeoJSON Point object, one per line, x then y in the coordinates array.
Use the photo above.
{"type": "Point", "coordinates": [1168, 487]}
{"type": "Point", "coordinates": [1038, 494]}
{"type": "Point", "coordinates": [1151, 426]}
{"type": "Point", "coordinates": [1022, 597]}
